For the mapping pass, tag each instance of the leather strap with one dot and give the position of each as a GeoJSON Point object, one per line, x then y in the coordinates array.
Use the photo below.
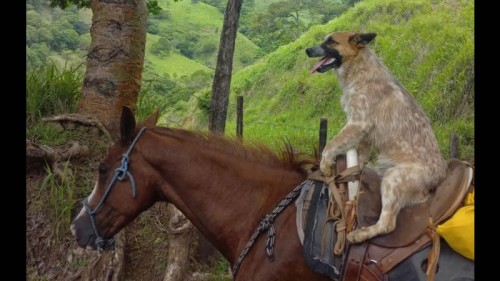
{"type": "Point", "coordinates": [388, 258]}
{"type": "Point", "coordinates": [354, 263]}
{"type": "Point", "coordinates": [359, 267]}
{"type": "Point", "coordinates": [369, 262]}
{"type": "Point", "coordinates": [341, 223]}
{"type": "Point", "coordinates": [350, 174]}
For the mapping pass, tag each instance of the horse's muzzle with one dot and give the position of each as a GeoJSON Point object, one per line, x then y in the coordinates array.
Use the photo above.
{"type": "Point", "coordinates": [83, 232]}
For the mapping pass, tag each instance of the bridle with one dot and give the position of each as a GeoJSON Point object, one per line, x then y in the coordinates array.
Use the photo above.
{"type": "Point", "coordinates": [120, 174]}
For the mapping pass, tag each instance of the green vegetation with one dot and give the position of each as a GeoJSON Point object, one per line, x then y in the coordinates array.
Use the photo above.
{"type": "Point", "coordinates": [50, 91]}
{"type": "Point", "coordinates": [181, 45]}
{"type": "Point", "coordinates": [52, 34]}
{"type": "Point", "coordinates": [193, 31]}
{"type": "Point", "coordinates": [61, 199]}
{"type": "Point", "coordinates": [428, 46]}
{"type": "Point", "coordinates": [284, 21]}
{"type": "Point", "coordinates": [220, 272]}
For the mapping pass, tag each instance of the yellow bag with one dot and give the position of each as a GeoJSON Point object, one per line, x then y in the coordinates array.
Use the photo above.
{"type": "Point", "coordinates": [458, 231]}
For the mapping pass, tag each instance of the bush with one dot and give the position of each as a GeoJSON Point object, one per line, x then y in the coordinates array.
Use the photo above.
{"type": "Point", "coordinates": [153, 28]}
{"type": "Point", "coordinates": [162, 47]}
{"type": "Point", "coordinates": [204, 100]}
{"type": "Point", "coordinates": [50, 91]}
{"type": "Point", "coordinates": [186, 48]}
{"type": "Point", "coordinates": [148, 102]}
{"type": "Point", "coordinates": [65, 39]}
{"type": "Point", "coordinates": [84, 42]}
{"type": "Point", "coordinates": [208, 48]}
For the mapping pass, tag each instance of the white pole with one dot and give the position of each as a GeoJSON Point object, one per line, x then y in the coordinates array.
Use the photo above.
{"type": "Point", "coordinates": [352, 160]}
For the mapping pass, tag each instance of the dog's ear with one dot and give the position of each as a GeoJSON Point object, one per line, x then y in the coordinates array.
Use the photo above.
{"type": "Point", "coordinates": [362, 39]}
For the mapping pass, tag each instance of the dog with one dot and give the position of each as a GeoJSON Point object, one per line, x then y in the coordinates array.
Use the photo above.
{"type": "Point", "coordinates": [380, 114]}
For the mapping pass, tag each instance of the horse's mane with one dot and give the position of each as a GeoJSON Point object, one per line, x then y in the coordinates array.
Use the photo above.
{"type": "Point", "coordinates": [287, 157]}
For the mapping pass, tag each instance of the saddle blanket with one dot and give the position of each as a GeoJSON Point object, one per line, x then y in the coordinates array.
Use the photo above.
{"type": "Point", "coordinates": [316, 233]}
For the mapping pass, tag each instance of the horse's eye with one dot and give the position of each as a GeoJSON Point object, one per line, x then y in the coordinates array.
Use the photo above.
{"type": "Point", "coordinates": [102, 169]}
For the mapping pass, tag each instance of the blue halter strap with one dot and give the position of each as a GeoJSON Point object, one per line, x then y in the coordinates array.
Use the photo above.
{"type": "Point", "coordinates": [120, 174]}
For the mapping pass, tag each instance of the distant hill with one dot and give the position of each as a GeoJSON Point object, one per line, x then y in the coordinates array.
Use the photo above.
{"type": "Point", "coordinates": [428, 45]}
{"type": "Point", "coordinates": [187, 24]}
{"type": "Point", "coordinates": [201, 23]}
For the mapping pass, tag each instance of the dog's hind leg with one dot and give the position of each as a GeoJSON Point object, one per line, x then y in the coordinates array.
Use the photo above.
{"type": "Point", "coordinates": [400, 187]}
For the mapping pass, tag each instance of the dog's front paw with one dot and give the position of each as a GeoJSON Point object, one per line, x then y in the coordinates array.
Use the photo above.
{"type": "Point", "coordinates": [357, 236]}
{"type": "Point", "coordinates": [326, 167]}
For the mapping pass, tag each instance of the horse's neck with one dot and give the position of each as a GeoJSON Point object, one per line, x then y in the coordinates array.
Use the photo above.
{"type": "Point", "coordinates": [225, 198]}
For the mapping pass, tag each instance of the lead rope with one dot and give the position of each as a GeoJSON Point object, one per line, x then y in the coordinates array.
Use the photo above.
{"type": "Point", "coordinates": [267, 223]}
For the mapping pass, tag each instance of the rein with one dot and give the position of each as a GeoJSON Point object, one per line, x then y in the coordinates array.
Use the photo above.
{"type": "Point", "coordinates": [267, 224]}
{"type": "Point", "coordinates": [120, 174]}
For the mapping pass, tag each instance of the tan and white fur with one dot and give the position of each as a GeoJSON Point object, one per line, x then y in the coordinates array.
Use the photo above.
{"type": "Point", "coordinates": [381, 114]}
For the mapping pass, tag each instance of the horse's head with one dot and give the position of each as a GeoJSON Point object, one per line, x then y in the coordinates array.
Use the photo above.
{"type": "Point", "coordinates": [123, 190]}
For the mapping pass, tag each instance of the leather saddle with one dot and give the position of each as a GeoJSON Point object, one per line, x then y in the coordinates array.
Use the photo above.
{"type": "Point", "coordinates": [373, 260]}
{"type": "Point", "coordinates": [413, 221]}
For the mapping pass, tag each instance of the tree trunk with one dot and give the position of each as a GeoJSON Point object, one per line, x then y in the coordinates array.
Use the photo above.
{"type": "Point", "coordinates": [222, 79]}
{"type": "Point", "coordinates": [180, 240]}
{"type": "Point", "coordinates": [115, 60]}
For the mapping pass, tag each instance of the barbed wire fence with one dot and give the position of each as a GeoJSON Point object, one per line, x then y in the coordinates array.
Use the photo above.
{"type": "Point", "coordinates": [314, 136]}
{"type": "Point", "coordinates": [307, 134]}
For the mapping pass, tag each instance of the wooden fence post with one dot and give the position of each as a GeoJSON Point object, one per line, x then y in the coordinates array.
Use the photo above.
{"type": "Point", "coordinates": [323, 124]}
{"type": "Point", "coordinates": [239, 117]}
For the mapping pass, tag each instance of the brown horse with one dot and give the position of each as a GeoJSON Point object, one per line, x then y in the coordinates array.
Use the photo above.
{"type": "Point", "coordinates": [223, 188]}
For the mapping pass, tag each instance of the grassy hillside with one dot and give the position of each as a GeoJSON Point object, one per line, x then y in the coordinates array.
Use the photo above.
{"type": "Point", "coordinates": [428, 45]}
{"type": "Point", "coordinates": [202, 23]}
{"type": "Point", "coordinates": [173, 64]}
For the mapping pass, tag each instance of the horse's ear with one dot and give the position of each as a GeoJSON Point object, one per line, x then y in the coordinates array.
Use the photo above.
{"type": "Point", "coordinates": [152, 119]}
{"type": "Point", "coordinates": [127, 125]}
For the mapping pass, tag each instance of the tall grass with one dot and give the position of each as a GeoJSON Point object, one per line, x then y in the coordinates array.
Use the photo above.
{"type": "Point", "coordinates": [61, 198]}
{"type": "Point", "coordinates": [50, 90]}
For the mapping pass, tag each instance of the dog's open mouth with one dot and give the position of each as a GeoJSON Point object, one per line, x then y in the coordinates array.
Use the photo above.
{"type": "Point", "coordinates": [323, 65]}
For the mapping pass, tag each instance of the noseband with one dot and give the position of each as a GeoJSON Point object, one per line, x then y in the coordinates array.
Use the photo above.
{"type": "Point", "coordinates": [120, 174]}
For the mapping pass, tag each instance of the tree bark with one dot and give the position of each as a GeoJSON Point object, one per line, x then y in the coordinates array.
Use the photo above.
{"type": "Point", "coordinates": [115, 60]}
{"type": "Point", "coordinates": [222, 78]}
{"type": "Point", "coordinates": [180, 240]}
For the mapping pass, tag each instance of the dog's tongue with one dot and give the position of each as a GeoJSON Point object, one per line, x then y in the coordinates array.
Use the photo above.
{"type": "Point", "coordinates": [323, 61]}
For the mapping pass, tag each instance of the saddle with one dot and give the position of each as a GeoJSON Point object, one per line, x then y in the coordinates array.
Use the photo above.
{"type": "Point", "coordinates": [413, 221]}
{"type": "Point", "coordinates": [415, 226]}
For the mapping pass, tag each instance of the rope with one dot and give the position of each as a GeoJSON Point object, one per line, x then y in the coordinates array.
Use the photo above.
{"type": "Point", "coordinates": [119, 175]}
{"type": "Point", "coordinates": [433, 256]}
{"type": "Point", "coordinates": [267, 223]}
